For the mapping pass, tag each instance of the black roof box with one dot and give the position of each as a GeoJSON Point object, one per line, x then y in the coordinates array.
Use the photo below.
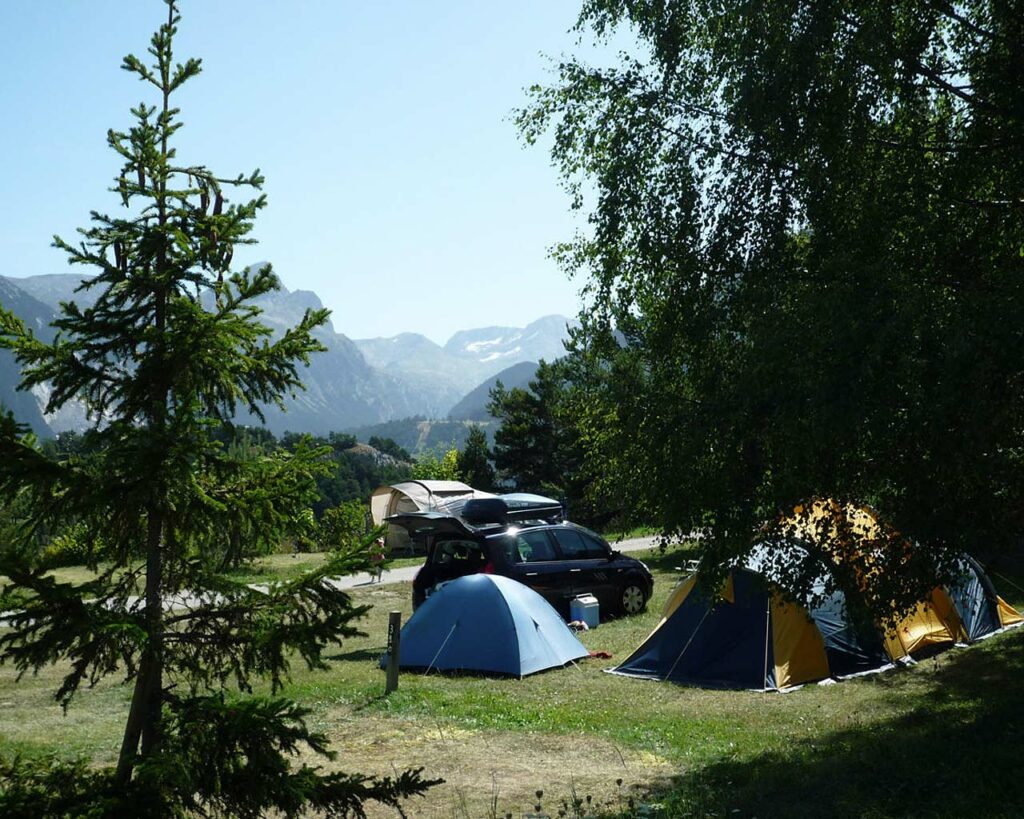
{"type": "Point", "coordinates": [478, 511]}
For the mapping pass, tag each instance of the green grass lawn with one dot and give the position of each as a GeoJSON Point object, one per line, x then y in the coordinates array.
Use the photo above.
{"type": "Point", "coordinates": [940, 739]}
{"type": "Point", "coordinates": [260, 570]}
{"type": "Point", "coordinates": [613, 536]}
{"type": "Point", "coordinates": [288, 566]}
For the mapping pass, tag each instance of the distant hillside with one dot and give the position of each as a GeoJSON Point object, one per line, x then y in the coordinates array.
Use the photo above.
{"type": "Point", "coordinates": [53, 288]}
{"type": "Point", "coordinates": [37, 317]}
{"type": "Point", "coordinates": [474, 406]}
{"type": "Point", "coordinates": [419, 435]}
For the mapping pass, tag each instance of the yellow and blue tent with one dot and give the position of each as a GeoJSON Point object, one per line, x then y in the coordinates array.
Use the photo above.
{"type": "Point", "coordinates": [748, 635]}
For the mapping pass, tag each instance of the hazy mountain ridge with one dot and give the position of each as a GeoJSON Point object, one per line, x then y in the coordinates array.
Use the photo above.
{"type": "Point", "coordinates": [473, 406]}
{"type": "Point", "coordinates": [53, 288]}
{"type": "Point", "coordinates": [502, 346]}
{"type": "Point", "coordinates": [26, 406]}
{"type": "Point", "coordinates": [353, 384]}
{"type": "Point", "coordinates": [470, 357]}
{"type": "Point", "coordinates": [417, 360]}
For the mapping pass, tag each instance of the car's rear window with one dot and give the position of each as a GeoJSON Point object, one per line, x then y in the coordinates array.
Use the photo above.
{"type": "Point", "coordinates": [506, 547]}
{"type": "Point", "coordinates": [455, 553]}
{"type": "Point", "coordinates": [534, 547]}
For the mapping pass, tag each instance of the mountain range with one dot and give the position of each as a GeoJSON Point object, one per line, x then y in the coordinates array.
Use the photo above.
{"type": "Point", "coordinates": [355, 383]}
{"type": "Point", "coordinates": [470, 356]}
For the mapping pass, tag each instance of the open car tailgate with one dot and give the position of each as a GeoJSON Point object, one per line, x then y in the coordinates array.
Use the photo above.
{"type": "Point", "coordinates": [429, 523]}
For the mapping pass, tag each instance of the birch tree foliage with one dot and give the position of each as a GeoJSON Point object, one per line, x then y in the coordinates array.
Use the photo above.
{"type": "Point", "coordinates": [806, 220]}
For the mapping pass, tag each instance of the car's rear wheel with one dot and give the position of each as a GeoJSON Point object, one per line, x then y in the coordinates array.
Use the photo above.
{"type": "Point", "coordinates": [632, 598]}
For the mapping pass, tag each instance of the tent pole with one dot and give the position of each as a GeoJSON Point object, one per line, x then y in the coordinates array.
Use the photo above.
{"type": "Point", "coordinates": [446, 639]}
{"type": "Point", "coordinates": [681, 653]}
{"type": "Point", "coordinates": [767, 626]}
{"type": "Point", "coordinates": [1004, 577]}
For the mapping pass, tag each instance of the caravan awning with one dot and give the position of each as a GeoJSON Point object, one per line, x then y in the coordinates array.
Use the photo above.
{"type": "Point", "coordinates": [417, 496]}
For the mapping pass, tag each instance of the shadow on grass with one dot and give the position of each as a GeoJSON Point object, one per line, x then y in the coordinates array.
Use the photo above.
{"type": "Point", "coordinates": [359, 655]}
{"type": "Point", "coordinates": [955, 751]}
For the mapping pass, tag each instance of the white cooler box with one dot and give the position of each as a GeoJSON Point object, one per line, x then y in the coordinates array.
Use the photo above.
{"type": "Point", "coordinates": [585, 608]}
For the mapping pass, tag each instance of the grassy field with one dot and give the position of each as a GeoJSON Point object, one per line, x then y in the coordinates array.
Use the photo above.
{"type": "Point", "coordinates": [941, 739]}
{"type": "Point", "coordinates": [260, 570]}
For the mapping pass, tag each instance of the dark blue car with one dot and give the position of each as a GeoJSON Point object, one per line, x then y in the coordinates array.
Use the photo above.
{"type": "Point", "coordinates": [555, 558]}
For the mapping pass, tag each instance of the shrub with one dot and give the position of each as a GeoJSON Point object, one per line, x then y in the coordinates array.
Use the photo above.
{"type": "Point", "coordinates": [341, 526]}
{"type": "Point", "coordinates": [72, 547]}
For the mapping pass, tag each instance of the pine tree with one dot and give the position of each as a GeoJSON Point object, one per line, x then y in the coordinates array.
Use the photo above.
{"type": "Point", "coordinates": [533, 446]}
{"type": "Point", "coordinates": [475, 461]}
{"type": "Point", "coordinates": [171, 348]}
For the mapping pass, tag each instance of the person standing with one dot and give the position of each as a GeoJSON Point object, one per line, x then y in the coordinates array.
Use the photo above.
{"type": "Point", "coordinates": [377, 554]}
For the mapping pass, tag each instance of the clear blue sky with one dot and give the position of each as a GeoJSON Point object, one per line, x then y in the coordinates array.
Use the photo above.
{"type": "Point", "coordinates": [399, 189]}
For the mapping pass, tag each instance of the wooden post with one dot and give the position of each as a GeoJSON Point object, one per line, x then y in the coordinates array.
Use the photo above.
{"type": "Point", "coordinates": [394, 641]}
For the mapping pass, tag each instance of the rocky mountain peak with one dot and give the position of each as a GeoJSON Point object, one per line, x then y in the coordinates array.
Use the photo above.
{"type": "Point", "coordinates": [352, 384]}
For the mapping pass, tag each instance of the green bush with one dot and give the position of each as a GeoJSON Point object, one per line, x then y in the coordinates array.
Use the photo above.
{"type": "Point", "coordinates": [341, 526]}
{"type": "Point", "coordinates": [72, 547]}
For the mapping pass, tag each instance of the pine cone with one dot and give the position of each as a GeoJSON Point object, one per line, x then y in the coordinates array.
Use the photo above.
{"type": "Point", "coordinates": [218, 204]}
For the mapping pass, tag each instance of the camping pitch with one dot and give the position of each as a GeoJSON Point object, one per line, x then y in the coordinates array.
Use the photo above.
{"type": "Point", "coordinates": [747, 636]}
{"type": "Point", "coordinates": [487, 623]}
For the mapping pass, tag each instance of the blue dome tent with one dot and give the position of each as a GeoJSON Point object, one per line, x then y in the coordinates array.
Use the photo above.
{"type": "Point", "coordinates": [487, 623]}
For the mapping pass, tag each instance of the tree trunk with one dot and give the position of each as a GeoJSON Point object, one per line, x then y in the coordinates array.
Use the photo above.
{"type": "Point", "coordinates": [153, 692]}
{"type": "Point", "coordinates": [153, 696]}
{"type": "Point", "coordinates": [143, 732]}
{"type": "Point", "coordinates": [133, 727]}
{"type": "Point", "coordinates": [147, 698]}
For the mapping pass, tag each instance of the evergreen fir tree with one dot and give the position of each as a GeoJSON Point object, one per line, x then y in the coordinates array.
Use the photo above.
{"type": "Point", "coordinates": [171, 349]}
{"type": "Point", "coordinates": [475, 461]}
{"type": "Point", "coordinates": [532, 444]}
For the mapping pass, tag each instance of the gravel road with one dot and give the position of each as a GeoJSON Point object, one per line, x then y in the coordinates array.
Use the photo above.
{"type": "Point", "coordinates": [407, 573]}
{"type": "Point", "coordinates": [186, 599]}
